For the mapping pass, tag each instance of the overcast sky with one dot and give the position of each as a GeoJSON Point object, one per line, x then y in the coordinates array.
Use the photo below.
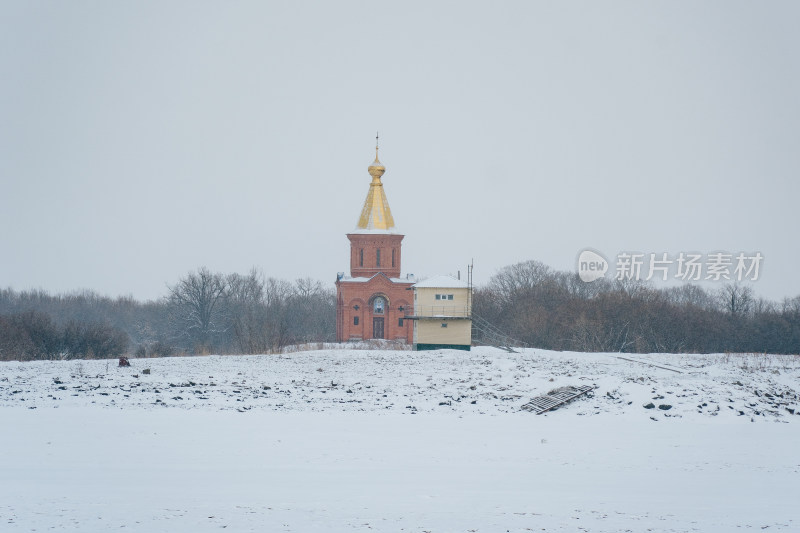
{"type": "Point", "coordinates": [142, 140]}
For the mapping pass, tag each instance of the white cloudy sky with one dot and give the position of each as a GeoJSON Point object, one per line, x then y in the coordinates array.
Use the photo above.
{"type": "Point", "coordinates": [141, 140]}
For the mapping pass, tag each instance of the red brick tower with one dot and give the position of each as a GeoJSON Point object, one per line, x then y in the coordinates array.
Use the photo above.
{"type": "Point", "coordinates": [374, 299]}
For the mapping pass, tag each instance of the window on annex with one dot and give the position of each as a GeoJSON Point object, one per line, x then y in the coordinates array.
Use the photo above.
{"type": "Point", "coordinates": [400, 322]}
{"type": "Point", "coordinates": [444, 324]}
{"type": "Point", "coordinates": [378, 257]}
{"type": "Point", "coordinates": [392, 257]}
{"type": "Point", "coordinates": [361, 258]}
{"type": "Point", "coordinates": [355, 320]}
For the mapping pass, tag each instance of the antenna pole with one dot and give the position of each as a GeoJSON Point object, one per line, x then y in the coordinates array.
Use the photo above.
{"type": "Point", "coordinates": [469, 284]}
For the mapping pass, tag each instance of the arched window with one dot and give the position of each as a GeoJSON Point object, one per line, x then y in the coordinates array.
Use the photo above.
{"type": "Point", "coordinates": [377, 306]}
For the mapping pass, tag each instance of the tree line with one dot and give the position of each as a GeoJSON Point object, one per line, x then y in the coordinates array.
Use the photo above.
{"type": "Point", "coordinates": [211, 312]}
{"type": "Point", "coordinates": [550, 309]}
{"type": "Point", "coordinates": [204, 312]}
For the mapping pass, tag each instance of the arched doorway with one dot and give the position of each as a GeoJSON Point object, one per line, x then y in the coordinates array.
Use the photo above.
{"type": "Point", "coordinates": [379, 306]}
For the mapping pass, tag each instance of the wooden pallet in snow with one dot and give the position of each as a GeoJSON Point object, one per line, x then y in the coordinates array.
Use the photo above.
{"type": "Point", "coordinates": [542, 404]}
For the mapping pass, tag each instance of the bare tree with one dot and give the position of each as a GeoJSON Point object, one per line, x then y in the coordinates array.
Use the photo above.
{"type": "Point", "coordinates": [736, 299]}
{"type": "Point", "coordinates": [689, 294]}
{"type": "Point", "coordinates": [791, 307]}
{"type": "Point", "coordinates": [513, 279]}
{"type": "Point", "coordinates": [276, 297]}
{"type": "Point", "coordinates": [309, 311]}
{"type": "Point", "coordinates": [194, 302]}
{"type": "Point", "coordinates": [247, 312]}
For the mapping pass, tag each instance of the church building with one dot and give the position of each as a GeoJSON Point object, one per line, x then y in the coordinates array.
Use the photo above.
{"type": "Point", "coordinates": [373, 301]}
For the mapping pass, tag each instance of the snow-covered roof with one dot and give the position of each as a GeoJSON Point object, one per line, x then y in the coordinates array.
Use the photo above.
{"type": "Point", "coordinates": [392, 231]}
{"type": "Point", "coordinates": [443, 282]}
{"type": "Point", "coordinates": [410, 278]}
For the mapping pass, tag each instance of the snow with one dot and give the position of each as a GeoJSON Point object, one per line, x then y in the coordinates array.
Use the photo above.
{"type": "Point", "coordinates": [443, 282]}
{"type": "Point", "coordinates": [410, 278]}
{"type": "Point", "coordinates": [364, 231]}
{"type": "Point", "coordinates": [383, 440]}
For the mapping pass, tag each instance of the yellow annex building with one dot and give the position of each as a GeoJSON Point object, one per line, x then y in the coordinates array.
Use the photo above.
{"type": "Point", "coordinates": [442, 314]}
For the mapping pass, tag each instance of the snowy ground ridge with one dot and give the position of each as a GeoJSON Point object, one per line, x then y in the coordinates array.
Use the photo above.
{"type": "Point", "coordinates": [482, 381]}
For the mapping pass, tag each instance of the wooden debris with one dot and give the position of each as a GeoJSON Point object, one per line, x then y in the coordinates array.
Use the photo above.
{"type": "Point", "coordinates": [542, 404]}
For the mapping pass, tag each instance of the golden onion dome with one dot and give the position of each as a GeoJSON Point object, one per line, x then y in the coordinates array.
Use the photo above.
{"type": "Point", "coordinates": [376, 169]}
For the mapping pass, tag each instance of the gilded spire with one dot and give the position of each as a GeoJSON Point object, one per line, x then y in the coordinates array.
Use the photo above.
{"type": "Point", "coordinates": [376, 214]}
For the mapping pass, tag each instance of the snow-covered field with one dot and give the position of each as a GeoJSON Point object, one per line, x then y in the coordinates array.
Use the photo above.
{"type": "Point", "coordinates": [370, 440]}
